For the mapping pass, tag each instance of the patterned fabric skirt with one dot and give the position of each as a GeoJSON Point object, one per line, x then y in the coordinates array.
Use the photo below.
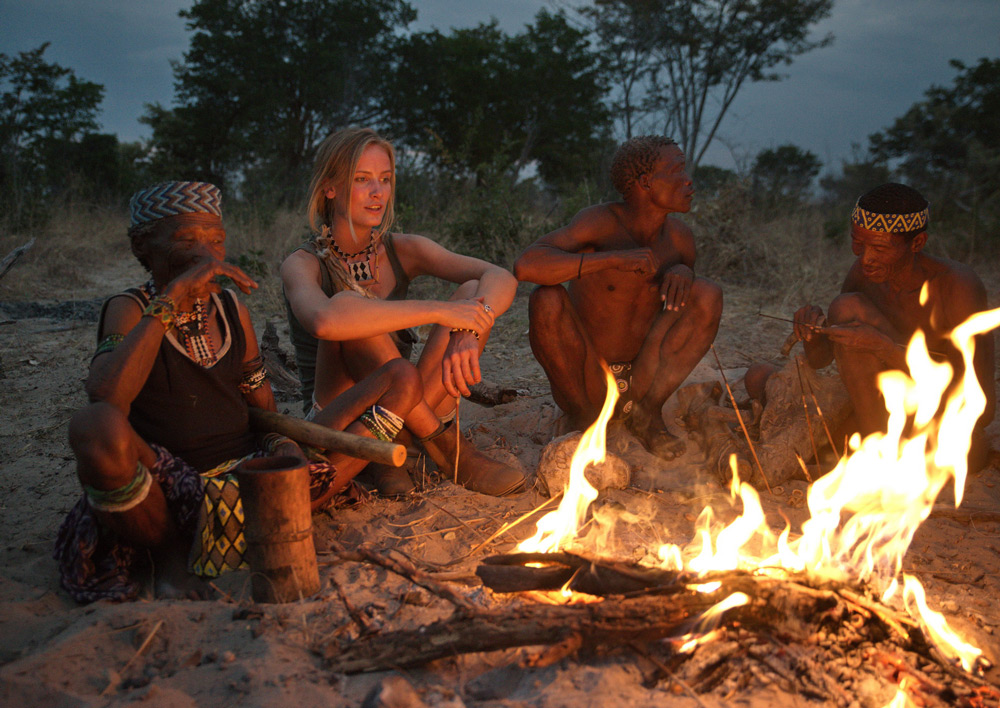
{"type": "Point", "coordinates": [95, 564]}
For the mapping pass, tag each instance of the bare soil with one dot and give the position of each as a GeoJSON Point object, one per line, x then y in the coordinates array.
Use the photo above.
{"type": "Point", "coordinates": [229, 651]}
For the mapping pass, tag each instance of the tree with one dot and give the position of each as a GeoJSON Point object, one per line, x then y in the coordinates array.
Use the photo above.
{"type": "Point", "coordinates": [478, 99]}
{"type": "Point", "coordinates": [948, 146]}
{"type": "Point", "coordinates": [264, 82]}
{"type": "Point", "coordinates": [690, 58]}
{"type": "Point", "coordinates": [784, 173]}
{"type": "Point", "coordinates": [44, 108]}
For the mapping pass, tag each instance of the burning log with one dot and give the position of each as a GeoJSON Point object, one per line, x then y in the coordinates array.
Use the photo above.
{"type": "Point", "coordinates": [820, 641]}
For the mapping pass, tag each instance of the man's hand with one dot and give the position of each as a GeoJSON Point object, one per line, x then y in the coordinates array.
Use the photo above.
{"type": "Point", "coordinates": [460, 366]}
{"type": "Point", "coordinates": [199, 281]}
{"type": "Point", "coordinates": [467, 314]}
{"type": "Point", "coordinates": [636, 260]}
{"type": "Point", "coordinates": [808, 322]}
{"type": "Point", "coordinates": [675, 286]}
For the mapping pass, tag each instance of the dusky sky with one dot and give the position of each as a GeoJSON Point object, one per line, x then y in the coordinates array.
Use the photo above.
{"type": "Point", "coordinates": [885, 54]}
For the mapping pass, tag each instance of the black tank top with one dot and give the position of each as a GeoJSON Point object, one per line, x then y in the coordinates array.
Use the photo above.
{"type": "Point", "coordinates": [196, 413]}
{"type": "Point", "coordinates": [306, 345]}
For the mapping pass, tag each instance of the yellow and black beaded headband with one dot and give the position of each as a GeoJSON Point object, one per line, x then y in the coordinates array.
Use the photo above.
{"type": "Point", "coordinates": [890, 223]}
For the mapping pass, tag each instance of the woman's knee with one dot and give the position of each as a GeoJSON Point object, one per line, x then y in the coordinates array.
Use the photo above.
{"type": "Point", "coordinates": [466, 290]}
{"type": "Point", "coordinates": [406, 382]}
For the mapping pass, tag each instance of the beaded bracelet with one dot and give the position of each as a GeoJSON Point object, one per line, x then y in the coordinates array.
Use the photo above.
{"type": "Point", "coordinates": [163, 309]}
{"type": "Point", "coordinates": [463, 329]}
{"type": "Point", "coordinates": [272, 441]}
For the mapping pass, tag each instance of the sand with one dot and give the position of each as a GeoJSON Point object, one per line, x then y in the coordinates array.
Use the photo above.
{"type": "Point", "coordinates": [229, 651]}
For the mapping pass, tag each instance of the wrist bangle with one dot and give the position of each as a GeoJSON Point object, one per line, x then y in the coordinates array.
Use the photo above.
{"type": "Point", "coordinates": [463, 329]}
{"type": "Point", "coordinates": [579, 270]}
{"type": "Point", "coordinates": [163, 309]}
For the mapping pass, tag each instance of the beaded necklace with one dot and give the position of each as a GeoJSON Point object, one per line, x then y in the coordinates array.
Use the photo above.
{"type": "Point", "coordinates": [193, 330]}
{"type": "Point", "coordinates": [360, 264]}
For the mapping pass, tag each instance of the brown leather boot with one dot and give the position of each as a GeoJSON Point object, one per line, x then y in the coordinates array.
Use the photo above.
{"type": "Point", "coordinates": [476, 471]}
{"type": "Point", "coordinates": [391, 482]}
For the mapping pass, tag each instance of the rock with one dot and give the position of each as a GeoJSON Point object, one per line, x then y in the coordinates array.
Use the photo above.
{"type": "Point", "coordinates": [554, 466]}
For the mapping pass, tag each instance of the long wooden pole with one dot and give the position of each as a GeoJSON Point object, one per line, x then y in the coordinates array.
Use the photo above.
{"type": "Point", "coordinates": [303, 431]}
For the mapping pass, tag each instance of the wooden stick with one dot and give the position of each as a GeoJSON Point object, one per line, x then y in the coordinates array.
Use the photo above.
{"type": "Point", "coordinates": [303, 431]}
{"type": "Point", "coordinates": [113, 684]}
{"type": "Point", "coordinates": [8, 261]}
{"type": "Point", "coordinates": [364, 554]}
{"type": "Point", "coordinates": [822, 418]}
{"type": "Point", "coordinates": [809, 427]}
{"type": "Point", "coordinates": [785, 319]}
{"type": "Point", "coordinates": [817, 328]}
{"type": "Point", "coordinates": [739, 417]}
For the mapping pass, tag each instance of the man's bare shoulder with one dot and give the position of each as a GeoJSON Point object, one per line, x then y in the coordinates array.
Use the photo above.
{"type": "Point", "coordinates": [604, 217]}
{"type": "Point", "coordinates": [676, 229]}
{"type": "Point", "coordinates": [956, 279]}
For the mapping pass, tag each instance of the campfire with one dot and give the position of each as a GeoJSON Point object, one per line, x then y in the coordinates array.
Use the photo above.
{"type": "Point", "coordinates": [738, 605]}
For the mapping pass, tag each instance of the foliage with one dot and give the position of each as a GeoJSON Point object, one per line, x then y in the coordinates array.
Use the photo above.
{"type": "Point", "coordinates": [948, 146]}
{"type": "Point", "coordinates": [264, 82]}
{"type": "Point", "coordinates": [478, 98]}
{"type": "Point", "coordinates": [783, 174]}
{"type": "Point", "coordinates": [683, 62]}
{"type": "Point", "coordinates": [47, 121]}
{"type": "Point", "coordinates": [711, 181]}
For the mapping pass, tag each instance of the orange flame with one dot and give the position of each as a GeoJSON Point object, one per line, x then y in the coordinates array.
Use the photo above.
{"type": "Point", "coordinates": [863, 514]}
{"type": "Point", "coordinates": [558, 528]}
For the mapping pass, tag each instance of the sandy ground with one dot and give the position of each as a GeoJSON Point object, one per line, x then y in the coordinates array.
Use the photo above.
{"type": "Point", "coordinates": [231, 652]}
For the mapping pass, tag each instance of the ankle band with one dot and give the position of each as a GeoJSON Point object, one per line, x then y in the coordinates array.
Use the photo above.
{"type": "Point", "coordinates": [382, 423]}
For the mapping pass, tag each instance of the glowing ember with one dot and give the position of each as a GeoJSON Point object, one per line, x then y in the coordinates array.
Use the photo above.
{"type": "Point", "coordinates": [863, 514]}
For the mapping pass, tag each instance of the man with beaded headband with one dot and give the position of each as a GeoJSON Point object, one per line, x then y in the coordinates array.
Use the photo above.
{"type": "Point", "coordinates": [631, 298]}
{"type": "Point", "coordinates": [868, 325]}
{"type": "Point", "coordinates": [171, 382]}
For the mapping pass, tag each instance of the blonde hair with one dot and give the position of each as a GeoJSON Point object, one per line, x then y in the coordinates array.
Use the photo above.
{"type": "Point", "coordinates": [336, 161]}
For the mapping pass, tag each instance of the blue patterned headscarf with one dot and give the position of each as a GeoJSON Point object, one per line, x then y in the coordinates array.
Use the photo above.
{"type": "Point", "coordinates": [173, 198]}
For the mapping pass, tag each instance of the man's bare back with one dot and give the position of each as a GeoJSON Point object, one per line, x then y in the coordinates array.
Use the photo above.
{"type": "Point", "coordinates": [631, 298]}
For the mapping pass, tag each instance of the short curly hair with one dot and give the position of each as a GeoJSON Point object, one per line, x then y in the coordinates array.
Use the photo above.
{"type": "Point", "coordinates": [634, 158]}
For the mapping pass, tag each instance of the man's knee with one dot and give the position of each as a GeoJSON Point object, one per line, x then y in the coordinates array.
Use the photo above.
{"type": "Point", "coordinates": [850, 307]}
{"type": "Point", "coordinates": [101, 438]}
{"type": "Point", "coordinates": [706, 296]}
{"type": "Point", "coordinates": [547, 304]}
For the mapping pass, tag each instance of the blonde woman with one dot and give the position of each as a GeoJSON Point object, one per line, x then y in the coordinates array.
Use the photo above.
{"type": "Point", "coordinates": [348, 312]}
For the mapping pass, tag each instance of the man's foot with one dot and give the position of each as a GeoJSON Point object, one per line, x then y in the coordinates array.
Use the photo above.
{"type": "Point", "coordinates": [662, 443]}
{"type": "Point", "coordinates": [654, 436]}
{"type": "Point", "coordinates": [476, 471]}
{"type": "Point", "coordinates": [391, 482]}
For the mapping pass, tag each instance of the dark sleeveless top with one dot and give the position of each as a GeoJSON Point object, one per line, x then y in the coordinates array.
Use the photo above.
{"type": "Point", "coordinates": [196, 413]}
{"type": "Point", "coordinates": [306, 345]}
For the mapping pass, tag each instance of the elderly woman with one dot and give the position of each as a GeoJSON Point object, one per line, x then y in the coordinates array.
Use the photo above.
{"type": "Point", "coordinates": [174, 374]}
{"type": "Point", "coordinates": [348, 311]}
